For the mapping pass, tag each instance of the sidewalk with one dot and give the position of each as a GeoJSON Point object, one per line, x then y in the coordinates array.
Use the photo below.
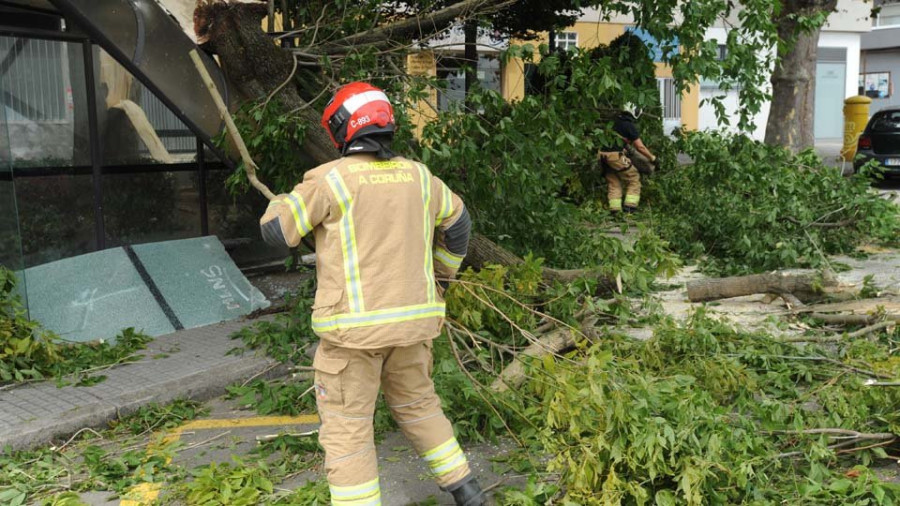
{"type": "Point", "coordinates": [186, 364]}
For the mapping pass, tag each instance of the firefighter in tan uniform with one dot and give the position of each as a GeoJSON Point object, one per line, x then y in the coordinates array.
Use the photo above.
{"type": "Point", "coordinates": [619, 168]}
{"type": "Point", "coordinates": [385, 230]}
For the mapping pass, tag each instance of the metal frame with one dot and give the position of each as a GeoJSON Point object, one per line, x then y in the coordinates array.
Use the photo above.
{"type": "Point", "coordinates": [97, 169]}
{"type": "Point", "coordinates": [125, 61]}
{"type": "Point", "coordinates": [96, 147]}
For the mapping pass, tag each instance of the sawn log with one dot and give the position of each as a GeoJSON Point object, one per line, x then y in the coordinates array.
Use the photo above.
{"type": "Point", "coordinates": [805, 285]}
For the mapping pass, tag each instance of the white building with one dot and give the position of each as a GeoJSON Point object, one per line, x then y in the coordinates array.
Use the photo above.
{"type": "Point", "coordinates": [837, 74]}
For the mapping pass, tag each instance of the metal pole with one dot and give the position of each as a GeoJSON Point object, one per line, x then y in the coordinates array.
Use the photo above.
{"type": "Point", "coordinates": [96, 152]}
{"type": "Point", "coordinates": [201, 188]}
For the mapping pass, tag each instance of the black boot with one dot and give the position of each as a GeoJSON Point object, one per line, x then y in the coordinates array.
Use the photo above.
{"type": "Point", "coordinates": [467, 492]}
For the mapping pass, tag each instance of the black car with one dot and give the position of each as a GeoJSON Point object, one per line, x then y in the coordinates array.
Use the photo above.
{"type": "Point", "coordinates": [881, 141]}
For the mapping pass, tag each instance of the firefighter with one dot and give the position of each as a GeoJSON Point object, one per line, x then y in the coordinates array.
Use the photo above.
{"type": "Point", "coordinates": [620, 169]}
{"type": "Point", "coordinates": [386, 232]}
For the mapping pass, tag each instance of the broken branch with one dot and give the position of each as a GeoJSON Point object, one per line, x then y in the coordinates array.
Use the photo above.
{"type": "Point", "coordinates": [249, 165]}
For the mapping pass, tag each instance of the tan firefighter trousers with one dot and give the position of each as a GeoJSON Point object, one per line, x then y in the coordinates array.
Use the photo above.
{"type": "Point", "coordinates": [347, 383]}
{"type": "Point", "coordinates": [619, 171]}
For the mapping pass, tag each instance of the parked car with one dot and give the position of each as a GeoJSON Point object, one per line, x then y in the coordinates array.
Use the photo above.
{"type": "Point", "coordinates": [881, 141]}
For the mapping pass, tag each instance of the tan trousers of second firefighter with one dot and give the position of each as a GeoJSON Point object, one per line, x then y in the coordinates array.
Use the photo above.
{"type": "Point", "coordinates": [347, 383]}
{"type": "Point", "coordinates": [619, 172]}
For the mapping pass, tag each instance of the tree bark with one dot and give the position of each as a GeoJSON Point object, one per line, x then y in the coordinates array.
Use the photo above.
{"type": "Point", "coordinates": [483, 251]}
{"type": "Point", "coordinates": [254, 66]}
{"type": "Point", "coordinates": [804, 285]}
{"type": "Point", "coordinates": [550, 344]}
{"type": "Point", "coordinates": [471, 58]}
{"type": "Point", "coordinates": [790, 122]}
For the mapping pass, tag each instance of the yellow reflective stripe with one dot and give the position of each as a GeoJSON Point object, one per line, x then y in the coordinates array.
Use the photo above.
{"type": "Point", "coordinates": [295, 210]}
{"type": "Point", "coordinates": [304, 214]}
{"type": "Point", "coordinates": [425, 180]}
{"type": "Point", "coordinates": [377, 317]}
{"type": "Point", "coordinates": [348, 242]}
{"type": "Point", "coordinates": [449, 259]}
{"type": "Point", "coordinates": [632, 199]}
{"type": "Point", "coordinates": [441, 449]}
{"type": "Point", "coordinates": [445, 458]}
{"type": "Point", "coordinates": [615, 205]}
{"type": "Point", "coordinates": [446, 204]}
{"type": "Point", "coordinates": [456, 463]}
{"type": "Point", "coordinates": [356, 494]}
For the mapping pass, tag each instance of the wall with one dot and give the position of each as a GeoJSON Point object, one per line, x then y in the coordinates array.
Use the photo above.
{"type": "Point", "coordinates": [850, 41]}
{"type": "Point", "coordinates": [425, 110]}
{"type": "Point", "coordinates": [850, 16]}
{"type": "Point", "coordinates": [707, 116]}
{"type": "Point", "coordinates": [887, 60]}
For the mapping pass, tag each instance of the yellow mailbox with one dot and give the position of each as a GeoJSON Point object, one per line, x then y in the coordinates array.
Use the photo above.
{"type": "Point", "coordinates": [856, 115]}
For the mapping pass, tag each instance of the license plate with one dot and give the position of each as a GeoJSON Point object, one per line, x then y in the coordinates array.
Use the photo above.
{"type": "Point", "coordinates": [892, 162]}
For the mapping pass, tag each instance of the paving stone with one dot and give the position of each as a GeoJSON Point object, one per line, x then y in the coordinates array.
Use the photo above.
{"type": "Point", "coordinates": [38, 413]}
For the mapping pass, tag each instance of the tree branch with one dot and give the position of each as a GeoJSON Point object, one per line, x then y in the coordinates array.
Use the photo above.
{"type": "Point", "coordinates": [419, 26]}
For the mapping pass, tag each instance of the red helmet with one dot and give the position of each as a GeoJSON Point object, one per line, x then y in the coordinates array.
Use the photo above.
{"type": "Point", "coordinates": [357, 109]}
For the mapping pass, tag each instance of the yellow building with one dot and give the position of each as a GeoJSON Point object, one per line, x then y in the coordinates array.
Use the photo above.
{"type": "Point", "coordinates": [679, 110]}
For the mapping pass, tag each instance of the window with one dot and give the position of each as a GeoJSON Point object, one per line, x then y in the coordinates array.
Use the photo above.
{"type": "Point", "coordinates": [451, 71]}
{"type": "Point", "coordinates": [889, 15]}
{"type": "Point", "coordinates": [721, 52]}
{"type": "Point", "coordinates": [567, 41]}
{"type": "Point", "coordinates": [670, 99]}
{"type": "Point", "coordinates": [887, 122]}
{"type": "Point", "coordinates": [35, 80]}
{"type": "Point", "coordinates": [875, 84]}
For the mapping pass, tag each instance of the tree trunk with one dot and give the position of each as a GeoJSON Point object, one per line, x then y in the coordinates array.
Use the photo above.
{"type": "Point", "coordinates": [254, 66]}
{"type": "Point", "coordinates": [471, 57]}
{"type": "Point", "coordinates": [804, 285]}
{"type": "Point", "coordinates": [790, 122]}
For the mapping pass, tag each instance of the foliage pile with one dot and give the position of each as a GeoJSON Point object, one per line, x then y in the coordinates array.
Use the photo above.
{"type": "Point", "coordinates": [699, 413]}
{"type": "Point", "coordinates": [749, 207]}
{"type": "Point", "coordinates": [27, 351]}
{"type": "Point", "coordinates": [87, 462]}
{"type": "Point", "coordinates": [524, 168]}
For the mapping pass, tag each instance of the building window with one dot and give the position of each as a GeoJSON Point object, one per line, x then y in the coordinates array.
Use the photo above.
{"type": "Point", "coordinates": [889, 15]}
{"type": "Point", "coordinates": [451, 72]}
{"type": "Point", "coordinates": [875, 84]}
{"type": "Point", "coordinates": [670, 99]}
{"type": "Point", "coordinates": [567, 41]}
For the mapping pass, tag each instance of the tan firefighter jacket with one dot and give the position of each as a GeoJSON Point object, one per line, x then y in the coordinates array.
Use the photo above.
{"type": "Point", "coordinates": [377, 257]}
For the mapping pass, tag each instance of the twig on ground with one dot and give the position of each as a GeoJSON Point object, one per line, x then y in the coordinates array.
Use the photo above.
{"type": "Point", "coordinates": [86, 429]}
{"type": "Point", "coordinates": [478, 391]}
{"type": "Point", "coordinates": [871, 328]}
{"type": "Point", "coordinates": [260, 373]}
{"type": "Point", "coordinates": [205, 441]}
{"type": "Point", "coordinates": [873, 383]}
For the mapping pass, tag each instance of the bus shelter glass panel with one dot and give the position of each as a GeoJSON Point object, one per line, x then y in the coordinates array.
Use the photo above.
{"type": "Point", "coordinates": [234, 218]}
{"type": "Point", "coordinates": [151, 181]}
{"type": "Point", "coordinates": [45, 104]}
{"type": "Point", "coordinates": [10, 240]}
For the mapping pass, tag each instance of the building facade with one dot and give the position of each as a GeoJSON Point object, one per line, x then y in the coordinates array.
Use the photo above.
{"type": "Point", "coordinates": [837, 69]}
{"type": "Point", "coordinates": [880, 58]}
